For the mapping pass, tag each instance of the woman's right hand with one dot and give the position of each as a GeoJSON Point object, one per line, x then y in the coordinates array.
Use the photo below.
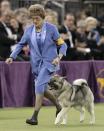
{"type": "Point", "coordinates": [9, 60]}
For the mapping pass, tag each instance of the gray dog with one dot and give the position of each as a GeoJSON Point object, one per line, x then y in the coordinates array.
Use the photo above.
{"type": "Point", "coordinates": [78, 95]}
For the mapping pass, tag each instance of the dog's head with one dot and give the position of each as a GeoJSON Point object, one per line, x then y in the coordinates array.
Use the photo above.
{"type": "Point", "coordinates": [56, 82]}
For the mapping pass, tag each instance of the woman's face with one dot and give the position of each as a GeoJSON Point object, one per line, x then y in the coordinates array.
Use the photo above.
{"type": "Point", "coordinates": [5, 5]}
{"type": "Point", "coordinates": [38, 21]}
{"type": "Point", "coordinates": [22, 18]}
{"type": "Point", "coordinates": [6, 16]}
{"type": "Point", "coordinates": [81, 29]}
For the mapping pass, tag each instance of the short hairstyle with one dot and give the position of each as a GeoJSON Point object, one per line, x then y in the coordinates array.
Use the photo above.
{"type": "Point", "coordinates": [9, 13]}
{"type": "Point", "coordinates": [4, 1]}
{"type": "Point", "coordinates": [91, 19]}
{"type": "Point", "coordinates": [21, 10]}
{"type": "Point", "coordinates": [81, 23]}
{"type": "Point", "coordinates": [37, 10]}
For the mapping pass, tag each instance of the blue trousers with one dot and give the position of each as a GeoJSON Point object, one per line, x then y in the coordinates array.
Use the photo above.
{"type": "Point", "coordinates": [41, 80]}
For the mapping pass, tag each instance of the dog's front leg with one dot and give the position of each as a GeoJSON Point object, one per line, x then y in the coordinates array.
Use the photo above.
{"type": "Point", "coordinates": [64, 121]}
{"type": "Point", "coordinates": [61, 115]}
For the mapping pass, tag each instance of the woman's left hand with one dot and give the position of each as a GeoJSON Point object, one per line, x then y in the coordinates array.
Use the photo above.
{"type": "Point", "coordinates": [56, 61]}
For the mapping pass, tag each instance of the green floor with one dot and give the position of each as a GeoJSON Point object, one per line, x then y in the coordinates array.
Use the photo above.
{"type": "Point", "coordinates": [13, 119]}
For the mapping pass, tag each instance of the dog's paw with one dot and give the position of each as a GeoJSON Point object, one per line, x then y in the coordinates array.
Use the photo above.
{"type": "Point", "coordinates": [92, 122]}
{"type": "Point", "coordinates": [81, 121]}
{"type": "Point", "coordinates": [58, 121]}
{"type": "Point", "coordinates": [64, 122]}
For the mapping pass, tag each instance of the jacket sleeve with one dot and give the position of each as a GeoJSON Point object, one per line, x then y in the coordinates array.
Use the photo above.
{"type": "Point", "coordinates": [59, 41]}
{"type": "Point", "coordinates": [20, 45]}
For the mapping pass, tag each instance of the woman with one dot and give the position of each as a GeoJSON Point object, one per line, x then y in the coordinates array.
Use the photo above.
{"type": "Point", "coordinates": [93, 37]}
{"type": "Point", "coordinates": [43, 39]}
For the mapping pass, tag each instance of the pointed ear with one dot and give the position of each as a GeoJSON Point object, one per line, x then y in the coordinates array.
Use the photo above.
{"type": "Point", "coordinates": [63, 77]}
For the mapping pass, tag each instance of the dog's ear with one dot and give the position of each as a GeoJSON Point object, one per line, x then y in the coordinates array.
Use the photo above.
{"type": "Point", "coordinates": [63, 78]}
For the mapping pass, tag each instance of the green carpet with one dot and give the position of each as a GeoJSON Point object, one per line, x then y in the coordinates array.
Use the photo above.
{"type": "Point", "coordinates": [13, 119]}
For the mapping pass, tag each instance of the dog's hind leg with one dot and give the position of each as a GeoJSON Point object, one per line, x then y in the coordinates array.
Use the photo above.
{"type": "Point", "coordinates": [82, 112]}
{"type": "Point", "coordinates": [90, 109]}
{"type": "Point", "coordinates": [61, 115]}
{"type": "Point", "coordinates": [64, 121]}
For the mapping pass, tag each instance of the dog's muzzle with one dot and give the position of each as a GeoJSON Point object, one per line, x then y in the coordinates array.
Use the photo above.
{"type": "Point", "coordinates": [55, 85]}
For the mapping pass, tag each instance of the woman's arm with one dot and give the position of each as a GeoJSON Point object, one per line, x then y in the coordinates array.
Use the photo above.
{"type": "Point", "coordinates": [62, 46]}
{"type": "Point", "coordinates": [20, 45]}
{"type": "Point", "coordinates": [60, 42]}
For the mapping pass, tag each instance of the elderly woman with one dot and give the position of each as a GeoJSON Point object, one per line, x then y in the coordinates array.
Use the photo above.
{"type": "Point", "coordinates": [91, 24]}
{"type": "Point", "coordinates": [51, 16]}
{"type": "Point", "coordinates": [93, 37]}
{"type": "Point", "coordinates": [43, 39]}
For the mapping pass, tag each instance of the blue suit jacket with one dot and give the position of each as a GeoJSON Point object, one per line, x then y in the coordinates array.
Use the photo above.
{"type": "Point", "coordinates": [49, 49]}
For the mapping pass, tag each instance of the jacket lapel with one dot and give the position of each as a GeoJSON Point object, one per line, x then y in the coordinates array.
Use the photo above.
{"type": "Point", "coordinates": [43, 36]}
{"type": "Point", "coordinates": [34, 41]}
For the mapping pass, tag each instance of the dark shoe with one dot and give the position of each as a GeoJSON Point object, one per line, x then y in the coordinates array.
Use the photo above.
{"type": "Point", "coordinates": [32, 121]}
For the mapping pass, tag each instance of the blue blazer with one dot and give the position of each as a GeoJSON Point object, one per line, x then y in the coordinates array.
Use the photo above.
{"type": "Point", "coordinates": [50, 36]}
